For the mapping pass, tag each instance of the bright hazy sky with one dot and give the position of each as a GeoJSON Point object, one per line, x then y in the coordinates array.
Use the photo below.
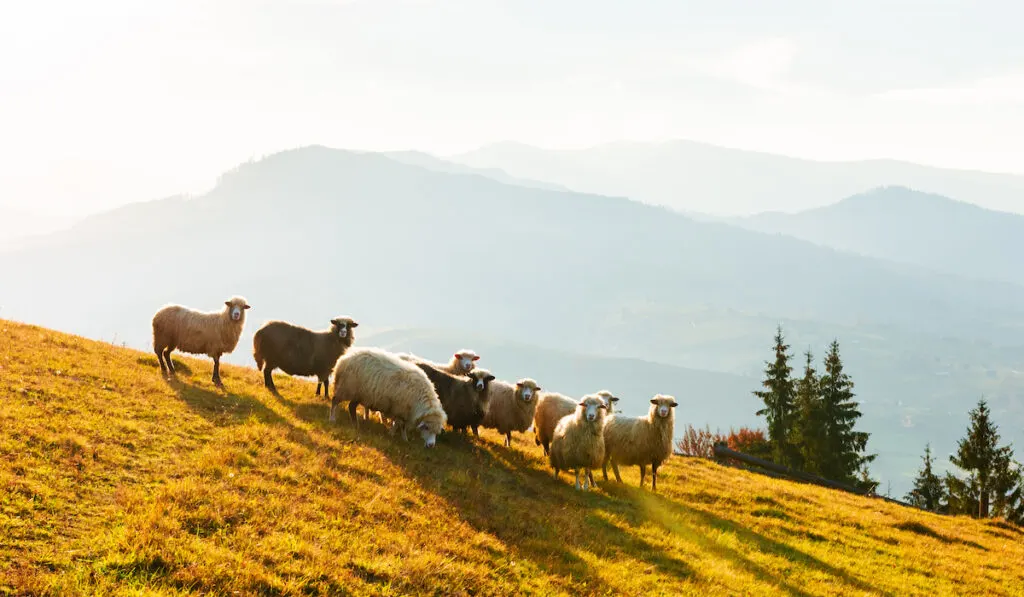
{"type": "Point", "coordinates": [109, 101]}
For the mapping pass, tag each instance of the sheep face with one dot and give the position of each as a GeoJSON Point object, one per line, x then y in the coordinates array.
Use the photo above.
{"type": "Point", "coordinates": [663, 405]}
{"type": "Point", "coordinates": [481, 379]}
{"type": "Point", "coordinates": [467, 360]}
{"type": "Point", "coordinates": [609, 399]}
{"type": "Point", "coordinates": [429, 433]}
{"type": "Point", "coordinates": [343, 326]}
{"type": "Point", "coordinates": [527, 389]}
{"type": "Point", "coordinates": [593, 408]}
{"type": "Point", "coordinates": [236, 308]}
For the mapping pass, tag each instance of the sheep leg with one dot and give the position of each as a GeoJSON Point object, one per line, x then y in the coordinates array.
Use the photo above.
{"type": "Point", "coordinates": [508, 439]}
{"type": "Point", "coordinates": [590, 476]}
{"type": "Point", "coordinates": [556, 472]}
{"type": "Point", "coordinates": [643, 473]}
{"type": "Point", "coordinates": [604, 465]}
{"type": "Point", "coordinates": [654, 477]}
{"type": "Point", "coordinates": [476, 432]}
{"type": "Point", "coordinates": [268, 379]}
{"type": "Point", "coordinates": [216, 372]}
{"type": "Point", "coordinates": [578, 479]}
{"type": "Point", "coordinates": [160, 359]}
{"type": "Point", "coordinates": [351, 410]}
{"type": "Point", "coordinates": [318, 382]}
{"type": "Point", "coordinates": [615, 469]}
{"type": "Point", "coordinates": [588, 481]}
{"type": "Point", "coordinates": [167, 357]}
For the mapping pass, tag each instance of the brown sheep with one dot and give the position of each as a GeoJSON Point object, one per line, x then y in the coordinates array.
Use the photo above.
{"type": "Point", "coordinates": [300, 351]}
{"type": "Point", "coordinates": [465, 398]}
{"type": "Point", "coordinates": [512, 407]}
{"type": "Point", "coordinates": [212, 333]}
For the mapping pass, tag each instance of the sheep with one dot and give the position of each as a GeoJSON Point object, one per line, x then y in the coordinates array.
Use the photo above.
{"type": "Point", "coordinates": [578, 441]}
{"type": "Point", "coordinates": [465, 398]}
{"type": "Point", "coordinates": [641, 440]}
{"type": "Point", "coordinates": [212, 333]}
{"type": "Point", "coordinates": [552, 406]}
{"type": "Point", "coordinates": [300, 351]}
{"type": "Point", "coordinates": [398, 389]}
{"type": "Point", "coordinates": [461, 363]}
{"type": "Point", "coordinates": [512, 407]}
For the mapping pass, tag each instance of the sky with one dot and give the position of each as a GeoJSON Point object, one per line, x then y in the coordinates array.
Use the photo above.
{"type": "Point", "coordinates": [105, 102]}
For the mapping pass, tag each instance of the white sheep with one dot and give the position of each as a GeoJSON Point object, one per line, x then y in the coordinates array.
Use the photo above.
{"type": "Point", "coordinates": [512, 407]}
{"type": "Point", "coordinates": [394, 387]}
{"type": "Point", "coordinates": [578, 441]}
{"type": "Point", "coordinates": [212, 333]}
{"type": "Point", "coordinates": [461, 363]}
{"type": "Point", "coordinates": [552, 406]}
{"type": "Point", "coordinates": [641, 440]}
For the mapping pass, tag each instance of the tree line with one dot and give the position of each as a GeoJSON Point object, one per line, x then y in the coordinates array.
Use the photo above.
{"type": "Point", "coordinates": [993, 484]}
{"type": "Point", "coordinates": [811, 420]}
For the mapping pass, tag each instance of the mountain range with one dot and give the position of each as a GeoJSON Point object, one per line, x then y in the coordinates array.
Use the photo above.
{"type": "Point", "coordinates": [698, 177]}
{"type": "Point", "coordinates": [581, 291]}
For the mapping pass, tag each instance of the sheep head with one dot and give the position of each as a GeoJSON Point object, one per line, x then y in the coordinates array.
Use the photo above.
{"type": "Point", "coordinates": [526, 389]}
{"type": "Point", "coordinates": [609, 399]}
{"type": "Point", "coordinates": [662, 405]}
{"type": "Point", "coordinates": [466, 360]}
{"type": "Point", "coordinates": [592, 408]}
{"type": "Point", "coordinates": [342, 327]}
{"type": "Point", "coordinates": [482, 379]}
{"type": "Point", "coordinates": [236, 307]}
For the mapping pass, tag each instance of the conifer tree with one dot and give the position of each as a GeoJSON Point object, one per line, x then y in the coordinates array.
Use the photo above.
{"type": "Point", "coordinates": [992, 474]}
{"type": "Point", "coordinates": [808, 427]}
{"type": "Point", "coordinates": [778, 397]}
{"type": "Point", "coordinates": [843, 455]}
{"type": "Point", "coordinates": [928, 492]}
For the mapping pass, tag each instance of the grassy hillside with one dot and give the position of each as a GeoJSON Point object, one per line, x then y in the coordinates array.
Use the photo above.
{"type": "Point", "coordinates": [117, 481]}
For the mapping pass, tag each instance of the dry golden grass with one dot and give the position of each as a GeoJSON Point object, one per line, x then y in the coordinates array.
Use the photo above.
{"type": "Point", "coordinates": [119, 482]}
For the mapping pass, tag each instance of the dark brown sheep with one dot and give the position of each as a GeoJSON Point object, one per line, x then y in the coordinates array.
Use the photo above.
{"type": "Point", "coordinates": [465, 398]}
{"type": "Point", "coordinates": [300, 351]}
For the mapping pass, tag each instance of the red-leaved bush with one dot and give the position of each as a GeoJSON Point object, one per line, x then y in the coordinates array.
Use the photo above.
{"type": "Point", "coordinates": [701, 442]}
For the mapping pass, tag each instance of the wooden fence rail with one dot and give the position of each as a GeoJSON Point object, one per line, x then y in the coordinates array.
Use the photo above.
{"type": "Point", "coordinates": [723, 453]}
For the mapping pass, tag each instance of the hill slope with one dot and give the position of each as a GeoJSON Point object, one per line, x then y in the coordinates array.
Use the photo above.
{"type": "Point", "coordinates": [120, 481]}
{"type": "Point", "coordinates": [688, 175]}
{"type": "Point", "coordinates": [907, 226]}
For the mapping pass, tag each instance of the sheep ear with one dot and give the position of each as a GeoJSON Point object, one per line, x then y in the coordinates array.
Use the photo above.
{"type": "Point", "coordinates": [615, 398]}
{"type": "Point", "coordinates": [674, 404]}
{"type": "Point", "coordinates": [604, 406]}
{"type": "Point", "coordinates": [653, 401]}
{"type": "Point", "coordinates": [537, 389]}
{"type": "Point", "coordinates": [476, 358]}
{"type": "Point", "coordinates": [335, 322]}
{"type": "Point", "coordinates": [489, 378]}
{"type": "Point", "coordinates": [519, 384]}
{"type": "Point", "coordinates": [422, 426]}
{"type": "Point", "coordinates": [353, 324]}
{"type": "Point", "coordinates": [246, 307]}
{"type": "Point", "coordinates": [227, 303]}
{"type": "Point", "coordinates": [581, 403]}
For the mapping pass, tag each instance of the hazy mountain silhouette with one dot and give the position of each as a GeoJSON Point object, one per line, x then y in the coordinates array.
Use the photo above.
{"type": "Point", "coordinates": [312, 233]}
{"type": "Point", "coordinates": [16, 225]}
{"type": "Point", "coordinates": [911, 227]}
{"type": "Point", "coordinates": [688, 175]}
{"type": "Point", "coordinates": [425, 160]}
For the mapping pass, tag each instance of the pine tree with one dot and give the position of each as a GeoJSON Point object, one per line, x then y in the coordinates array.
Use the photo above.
{"type": "Point", "coordinates": [843, 454]}
{"type": "Point", "coordinates": [928, 492]}
{"type": "Point", "coordinates": [778, 402]}
{"type": "Point", "coordinates": [993, 476]}
{"type": "Point", "coordinates": [808, 427]}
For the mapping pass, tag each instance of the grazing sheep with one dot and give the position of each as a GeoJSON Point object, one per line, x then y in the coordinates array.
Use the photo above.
{"type": "Point", "coordinates": [300, 351]}
{"type": "Point", "coordinates": [512, 407]}
{"type": "Point", "coordinates": [578, 441]}
{"type": "Point", "coordinates": [462, 362]}
{"type": "Point", "coordinates": [212, 333]}
{"type": "Point", "coordinates": [552, 406]}
{"type": "Point", "coordinates": [640, 440]}
{"type": "Point", "coordinates": [465, 398]}
{"type": "Point", "coordinates": [396, 388]}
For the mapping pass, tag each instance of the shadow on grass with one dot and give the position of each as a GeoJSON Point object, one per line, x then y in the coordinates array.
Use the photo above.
{"type": "Point", "coordinates": [668, 513]}
{"type": "Point", "coordinates": [926, 531]}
